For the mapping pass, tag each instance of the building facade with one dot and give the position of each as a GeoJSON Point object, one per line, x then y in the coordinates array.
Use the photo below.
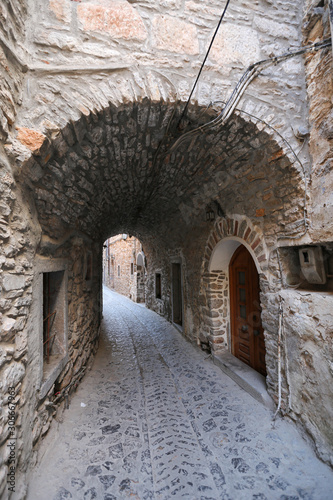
{"type": "Point", "coordinates": [231, 196]}
{"type": "Point", "coordinates": [124, 269]}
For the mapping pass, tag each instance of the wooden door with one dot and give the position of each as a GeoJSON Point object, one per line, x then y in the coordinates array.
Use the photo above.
{"type": "Point", "coordinates": [177, 305]}
{"type": "Point", "coordinates": [247, 338]}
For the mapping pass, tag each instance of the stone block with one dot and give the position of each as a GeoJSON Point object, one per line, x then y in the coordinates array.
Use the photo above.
{"type": "Point", "coordinates": [67, 379]}
{"type": "Point", "coordinates": [13, 282]}
{"type": "Point", "coordinates": [234, 45]}
{"type": "Point", "coordinates": [61, 9]}
{"type": "Point", "coordinates": [275, 29]}
{"type": "Point", "coordinates": [117, 19]}
{"type": "Point", "coordinates": [217, 340]}
{"type": "Point", "coordinates": [242, 229]}
{"type": "Point", "coordinates": [216, 304]}
{"type": "Point", "coordinates": [175, 35]}
{"type": "Point", "coordinates": [4, 232]}
{"type": "Point", "coordinates": [32, 139]}
{"type": "Point", "coordinates": [7, 325]}
{"type": "Point", "coordinates": [12, 375]}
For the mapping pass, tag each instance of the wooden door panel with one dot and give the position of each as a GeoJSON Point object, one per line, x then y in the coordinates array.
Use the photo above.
{"type": "Point", "coordinates": [177, 294]}
{"type": "Point", "coordinates": [244, 349]}
{"type": "Point", "coordinates": [248, 343]}
{"type": "Point", "coordinates": [244, 336]}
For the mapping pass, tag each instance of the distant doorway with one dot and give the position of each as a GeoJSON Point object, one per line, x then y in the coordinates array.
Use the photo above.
{"type": "Point", "coordinates": [177, 303]}
{"type": "Point", "coordinates": [247, 337]}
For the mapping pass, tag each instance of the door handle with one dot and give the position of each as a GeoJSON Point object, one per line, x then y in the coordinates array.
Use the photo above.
{"type": "Point", "coordinates": [244, 328]}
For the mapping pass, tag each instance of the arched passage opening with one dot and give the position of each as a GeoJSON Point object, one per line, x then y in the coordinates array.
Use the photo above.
{"type": "Point", "coordinates": [114, 171]}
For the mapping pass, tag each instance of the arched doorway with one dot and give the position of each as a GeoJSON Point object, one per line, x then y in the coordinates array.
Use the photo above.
{"type": "Point", "coordinates": [247, 337]}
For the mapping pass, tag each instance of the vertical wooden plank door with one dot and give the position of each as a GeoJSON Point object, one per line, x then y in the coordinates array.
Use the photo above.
{"type": "Point", "coordinates": [177, 306]}
{"type": "Point", "coordinates": [247, 337]}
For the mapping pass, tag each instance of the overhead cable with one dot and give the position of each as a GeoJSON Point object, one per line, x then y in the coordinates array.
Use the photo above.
{"type": "Point", "coordinates": [250, 74]}
{"type": "Point", "coordinates": [204, 61]}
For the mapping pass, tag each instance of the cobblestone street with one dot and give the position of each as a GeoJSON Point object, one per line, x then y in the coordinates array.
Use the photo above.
{"type": "Point", "coordinates": [156, 419]}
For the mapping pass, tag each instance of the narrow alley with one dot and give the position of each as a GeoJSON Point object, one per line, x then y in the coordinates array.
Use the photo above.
{"type": "Point", "coordinates": [156, 419]}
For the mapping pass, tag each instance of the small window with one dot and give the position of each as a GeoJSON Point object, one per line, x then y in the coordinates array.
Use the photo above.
{"type": "Point", "coordinates": [306, 257]}
{"type": "Point", "coordinates": [132, 268]}
{"type": "Point", "coordinates": [118, 270]}
{"type": "Point", "coordinates": [158, 288]}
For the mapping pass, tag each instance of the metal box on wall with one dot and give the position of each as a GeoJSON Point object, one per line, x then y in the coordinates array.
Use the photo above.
{"type": "Point", "coordinates": [312, 265]}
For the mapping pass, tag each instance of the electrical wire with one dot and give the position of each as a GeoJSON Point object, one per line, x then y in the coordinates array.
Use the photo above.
{"type": "Point", "coordinates": [204, 61]}
{"type": "Point", "coordinates": [279, 358]}
{"type": "Point", "coordinates": [250, 74]}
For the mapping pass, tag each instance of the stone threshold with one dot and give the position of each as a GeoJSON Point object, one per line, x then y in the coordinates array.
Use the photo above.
{"type": "Point", "coordinates": [246, 377]}
{"type": "Point", "coordinates": [180, 328]}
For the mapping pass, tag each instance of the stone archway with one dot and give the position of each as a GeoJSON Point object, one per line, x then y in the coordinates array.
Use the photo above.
{"type": "Point", "coordinates": [228, 234]}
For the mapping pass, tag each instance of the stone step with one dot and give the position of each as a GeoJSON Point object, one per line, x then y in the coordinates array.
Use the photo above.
{"type": "Point", "coordinates": [246, 377]}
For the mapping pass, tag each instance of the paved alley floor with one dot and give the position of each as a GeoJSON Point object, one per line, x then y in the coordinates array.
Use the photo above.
{"type": "Point", "coordinates": [161, 421]}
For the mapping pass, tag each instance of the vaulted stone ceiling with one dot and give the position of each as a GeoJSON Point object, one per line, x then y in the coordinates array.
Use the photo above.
{"type": "Point", "coordinates": [115, 171]}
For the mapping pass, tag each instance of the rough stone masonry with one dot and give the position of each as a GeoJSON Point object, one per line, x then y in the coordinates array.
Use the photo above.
{"type": "Point", "coordinates": [91, 94]}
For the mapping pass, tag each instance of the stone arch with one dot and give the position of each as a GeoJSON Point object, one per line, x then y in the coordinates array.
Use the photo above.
{"type": "Point", "coordinates": [113, 171]}
{"type": "Point", "coordinates": [237, 228]}
{"type": "Point", "coordinates": [136, 137]}
{"type": "Point", "coordinates": [226, 236]}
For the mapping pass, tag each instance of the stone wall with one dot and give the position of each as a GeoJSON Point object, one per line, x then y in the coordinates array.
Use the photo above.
{"type": "Point", "coordinates": [318, 69]}
{"type": "Point", "coordinates": [215, 311]}
{"type": "Point", "coordinates": [13, 61]}
{"type": "Point", "coordinates": [18, 241]}
{"type": "Point", "coordinates": [160, 46]}
{"type": "Point", "coordinates": [159, 261]}
{"type": "Point", "coordinates": [307, 350]}
{"type": "Point", "coordinates": [21, 372]}
{"type": "Point", "coordinates": [308, 369]}
{"type": "Point", "coordinates": [306, 354]}
{"type": "Point", "coordinates": [38, 390]}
